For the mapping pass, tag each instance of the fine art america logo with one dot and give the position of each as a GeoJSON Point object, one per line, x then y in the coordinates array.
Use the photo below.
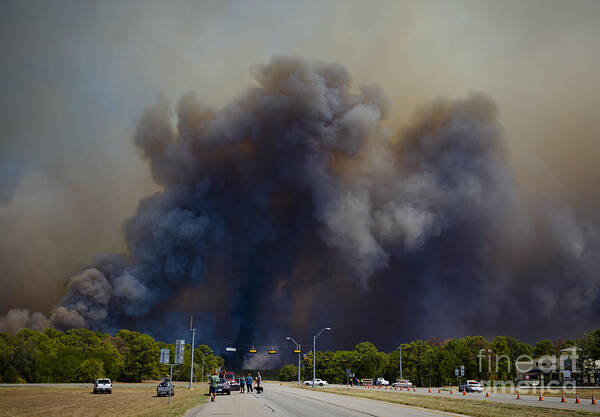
{"type": "Point", "coordinates": [547, 371]}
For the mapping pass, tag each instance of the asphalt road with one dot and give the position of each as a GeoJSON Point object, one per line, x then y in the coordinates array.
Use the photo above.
{"type": "Point", "coordinates": [282, 401]}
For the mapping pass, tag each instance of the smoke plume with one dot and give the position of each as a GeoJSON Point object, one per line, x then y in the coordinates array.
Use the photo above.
{"type": "Point", "coordinates": [294, 206]}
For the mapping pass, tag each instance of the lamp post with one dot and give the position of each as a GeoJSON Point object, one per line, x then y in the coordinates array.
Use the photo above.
{"type": "Point", "coordinates": [315, 353]}
{"type": "Point", "coordinates": [298, 349]}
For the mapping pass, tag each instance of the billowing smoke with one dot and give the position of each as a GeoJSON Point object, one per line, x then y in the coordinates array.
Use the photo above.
{"type": "Point", "coordinates": [294, 206]}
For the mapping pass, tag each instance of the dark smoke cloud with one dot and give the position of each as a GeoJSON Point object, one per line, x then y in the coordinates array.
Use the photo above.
{"type": "Point", "coordinates": [294, 206]}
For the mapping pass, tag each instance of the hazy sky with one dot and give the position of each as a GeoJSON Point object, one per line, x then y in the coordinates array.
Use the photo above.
{"type": "Point", "coordinates": [75, 76]}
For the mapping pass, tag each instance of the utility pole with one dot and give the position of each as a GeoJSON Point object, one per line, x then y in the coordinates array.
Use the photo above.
{"type": "Point", "coordinates": [315, 354]}
{"type": "Point", "coordinates": [400, 356]}
{"type": "Point", "coordinates": [192, 361]}
{"type": "Point", "coordinates": [299, 353]}
{"type": "Point", "coordinates": [202, 376]}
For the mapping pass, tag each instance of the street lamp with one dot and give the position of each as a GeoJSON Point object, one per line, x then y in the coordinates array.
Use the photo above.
{"type": "Point", "coordinates": [298, 349]}
{"type": "Point", "coordinates": [315, 354]}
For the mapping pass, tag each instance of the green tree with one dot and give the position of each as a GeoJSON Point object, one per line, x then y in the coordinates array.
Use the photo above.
{"type": "Point", "coordinates": [142, 358]}
{"type": "Point", "coordinates": [589, 346]}
{"type": "Point", "coordinates": [288, 373]}
{"type": "Point", "coordinates": [368, 361]}
{"type": "Point", "coordinates": [90, 370]}
{"type": "Point", "coordinates": [543, 347]}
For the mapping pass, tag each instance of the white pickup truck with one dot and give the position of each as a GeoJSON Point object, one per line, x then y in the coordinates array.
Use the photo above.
{"type": "Point", "coordinates": [103, 386]}
{"type": "Point", "coordinates": [381, 381]}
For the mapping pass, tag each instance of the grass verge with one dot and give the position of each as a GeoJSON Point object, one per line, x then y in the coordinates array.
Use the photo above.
{"type": "Point", "coordinates": [472, 407]}
{"type": "Point", "coordinates": [128, 401]}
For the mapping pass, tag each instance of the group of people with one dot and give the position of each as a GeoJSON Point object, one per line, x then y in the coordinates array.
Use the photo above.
{"type": "Point", "coordinates": [246, 383]}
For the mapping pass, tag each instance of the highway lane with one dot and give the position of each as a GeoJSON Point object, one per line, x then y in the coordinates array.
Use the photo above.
{"type": "Point", "coordinates": [283, 401]}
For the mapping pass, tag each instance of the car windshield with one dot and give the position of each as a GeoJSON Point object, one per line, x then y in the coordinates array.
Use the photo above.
{"type": "Point", "coordinates": [104, 381]}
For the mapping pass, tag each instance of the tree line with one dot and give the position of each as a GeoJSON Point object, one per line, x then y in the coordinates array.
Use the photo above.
{"type": "Point", "coordinates": [432, 362]}
{"type": "Point", "coordinates": [82, 355]}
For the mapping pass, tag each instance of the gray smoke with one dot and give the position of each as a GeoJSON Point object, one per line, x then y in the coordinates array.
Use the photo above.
{"type": "Point", "coordinates": [295, 205]}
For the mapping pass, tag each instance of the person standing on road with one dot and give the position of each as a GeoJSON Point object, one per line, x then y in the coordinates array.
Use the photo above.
{"type": "Point", "coordinates": [249, 383]}
{"type": "Point", "coordinates": [242, 384]}
{"type": "Point", "coordinates": [214, 383]}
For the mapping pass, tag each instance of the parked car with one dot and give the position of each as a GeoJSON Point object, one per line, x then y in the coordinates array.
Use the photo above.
{"type": "Point", "coordinates": [402, 383]}
{"type": "Point", "coordinates": [234, 384]}
{"type": "Point", "coordinates": [223, 387]}
{"type": "Point", "coordinates": [162, 390]}
{"type": "Point", "coordinates": [103, 386]}
{"type": "Point", "coordinates": [382, 381]}
{"type": "Point", "coordinates": [471, 386]}
{"type": "Point", "coordinates": [318, 383]}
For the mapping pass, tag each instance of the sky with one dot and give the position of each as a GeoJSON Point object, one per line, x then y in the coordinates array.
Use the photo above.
{"type": "Point", "coordinates": [76, 77]}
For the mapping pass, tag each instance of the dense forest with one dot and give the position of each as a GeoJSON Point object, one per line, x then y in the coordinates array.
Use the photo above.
{"type": "Point", "coordinates": [433, 362]}
{"type": "Point", "coordinates": [81, 355]}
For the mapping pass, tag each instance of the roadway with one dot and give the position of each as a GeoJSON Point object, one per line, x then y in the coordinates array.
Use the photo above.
{"type": "Point", "coordinates": [285, 401]}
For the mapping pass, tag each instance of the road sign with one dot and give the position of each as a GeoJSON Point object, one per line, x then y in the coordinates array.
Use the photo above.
{"type": "Point", "coordinates": [252, 350]}
{"type": "Point", "coordinates": [164, 356]}
{"type": "Point", "coordinates": [296, 350]}
{"type": "Point", "coordinates": [462, 370]}
{"type": "Point", "coordinates": [456, 372]}
{"type": "Point", "coordinates": [348, 371]}
{"type": "Point", "coordinates": [179, 351]}
{"type": "Point", "coordinates": [231, 349]}
{"type": "Point", "coordinates": [272, 352]}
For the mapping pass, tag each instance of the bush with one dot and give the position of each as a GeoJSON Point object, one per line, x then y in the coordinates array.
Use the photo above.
{"type": "Point", "coordinates": [10, 376]}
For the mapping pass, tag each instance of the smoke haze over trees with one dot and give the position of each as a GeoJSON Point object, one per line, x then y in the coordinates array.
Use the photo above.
{"type": "Point", "coordinates": [298, 201]}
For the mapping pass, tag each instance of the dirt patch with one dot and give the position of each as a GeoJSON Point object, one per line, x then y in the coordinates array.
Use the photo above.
{"type": "Point", "coordinates": [79, 401]}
